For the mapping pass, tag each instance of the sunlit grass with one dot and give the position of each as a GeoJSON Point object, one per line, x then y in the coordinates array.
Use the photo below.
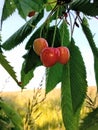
{"type": "Point", "coordinates": [39, 112]}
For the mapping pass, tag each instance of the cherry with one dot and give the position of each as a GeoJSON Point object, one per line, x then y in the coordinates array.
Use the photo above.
{"type": "Point", "coordinates": [49, 56]}
{"type": "Point", "coordinates": [64, 55]}
{"type": "Point", "coordinates": [32, 13]}
{"type": "Point", "coordinates": [39, 44]}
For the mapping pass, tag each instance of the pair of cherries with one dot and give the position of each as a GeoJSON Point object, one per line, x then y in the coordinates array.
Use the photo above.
{"type": "Point", "coordinates": [50, 55]}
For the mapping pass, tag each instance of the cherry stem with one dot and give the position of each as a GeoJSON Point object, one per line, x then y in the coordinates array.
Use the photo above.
{"type": "Point", "coordinates": [70, 23]}
{"type": "Point", "coordinates": [73, 25]}
{"type": "Point", "coordinates": [55, 28]}
{"type": "Point", "coordinates": [96, 17]}
{"type": "Point", "coordinates": [45, 22]}
{"type": "Point", "coordinates": [62, 34]}
{"type": "Point", "coordinates": [52, 11]}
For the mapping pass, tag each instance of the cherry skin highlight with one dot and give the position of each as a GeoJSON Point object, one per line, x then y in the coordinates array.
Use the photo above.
{"type": "Point", "coordinates": [49, 56]}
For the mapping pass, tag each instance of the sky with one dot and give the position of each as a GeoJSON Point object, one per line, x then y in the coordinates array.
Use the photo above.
{"type": "Point", "coordinates": [14, 56]}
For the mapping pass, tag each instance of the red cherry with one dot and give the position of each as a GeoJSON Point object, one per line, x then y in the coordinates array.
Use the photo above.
{"type": "Point", "coordinates": [49, 56]}
{"type": "Point", "coordinates": [39, 44]}
{"type": "Point", "coordinates": [64, 55]}
{"type": "Point", "coordinates": [32, 13]}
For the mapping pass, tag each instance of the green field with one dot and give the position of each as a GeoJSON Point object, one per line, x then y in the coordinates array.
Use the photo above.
{"type": "Point", "coordinates": [39, 112]}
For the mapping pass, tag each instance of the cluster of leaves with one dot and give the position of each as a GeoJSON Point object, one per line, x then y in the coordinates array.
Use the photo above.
{"type": "Point", "coordinates": [90, 122]}
{"type": "Point", "coordinates": [73, 75]}
{"type": "Point", "coordinates": [9, 118]}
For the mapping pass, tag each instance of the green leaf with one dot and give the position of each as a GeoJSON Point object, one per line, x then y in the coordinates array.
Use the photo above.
{"type": "Point", "coordinates": [12, 115]}
{"type": "Point", "coordinates": [32, 60]}
{"type": "Point", "coordinates": [64, 33]}
{"type": "Point", "coordinates": [50, 6]}
{"type": "Point", "coordinates": [77, 77]}
{"type": "Point", "coordinates": [8, 8]}
{"type": "Point", "coordinates": [25, 78]}
{"type": "Point", "coordinates": [89, 36]}
{"type": "Point", "coordinates": [66, 99]}
{"type": "Point", "coordinates": [25, 6]}
{"type": "Point", "coordinates": [90, 122]}
{"type": "Point", "coordinates": [53, 76]}
{"type": "Point", "coordinates": [73, 88]}
{"type": "Point", "coordinates": [85, 6]}
{"type": "Point", "coordinates": [96, 69]}
{"type": "Point", "coordinates": [22, 33]}
{"type": "Point", "coordinates": [7, 67]}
